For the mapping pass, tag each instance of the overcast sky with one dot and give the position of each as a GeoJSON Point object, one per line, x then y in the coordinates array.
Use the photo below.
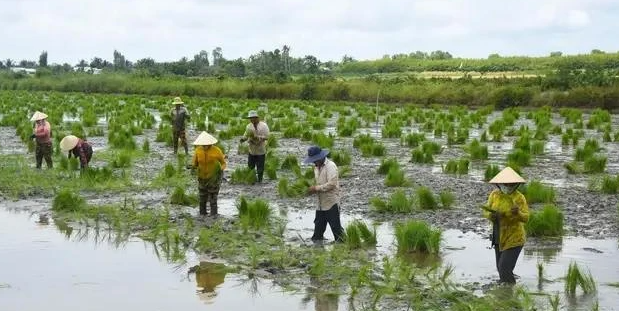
{"type": "Point", "coordinates": [365, 29]}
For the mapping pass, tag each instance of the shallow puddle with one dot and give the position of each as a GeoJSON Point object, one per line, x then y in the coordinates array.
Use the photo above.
{"type": "Point", "coordinates": [42, 268]}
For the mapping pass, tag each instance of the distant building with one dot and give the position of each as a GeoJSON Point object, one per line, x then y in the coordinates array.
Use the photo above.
{"type": "Point", "coordinates": [94, 71]}
{"type": "Point", "coordinates": [29, 71]}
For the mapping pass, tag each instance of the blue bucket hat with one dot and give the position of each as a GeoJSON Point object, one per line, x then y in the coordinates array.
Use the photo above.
{"type": "Point", "coordinates": [315, 153]}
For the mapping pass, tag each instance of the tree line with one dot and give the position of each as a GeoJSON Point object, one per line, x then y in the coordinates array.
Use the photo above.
{"type": "Point", "coordinates": [281, 66]}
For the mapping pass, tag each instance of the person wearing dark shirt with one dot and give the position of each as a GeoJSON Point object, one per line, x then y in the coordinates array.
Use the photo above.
{"type": "Point", "coordinates": [77, 147]}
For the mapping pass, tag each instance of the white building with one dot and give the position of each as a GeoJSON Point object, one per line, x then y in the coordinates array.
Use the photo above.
{"type": "Point", "coordinates": [29, 71]}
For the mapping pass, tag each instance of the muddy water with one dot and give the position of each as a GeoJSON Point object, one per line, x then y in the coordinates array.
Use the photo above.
{"type": "Point", "coordinates": [42, 268]}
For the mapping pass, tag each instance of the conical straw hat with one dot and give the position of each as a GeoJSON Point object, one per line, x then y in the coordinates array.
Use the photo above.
{"type": "Point", "coordinates": [177, 101]}
{"type": "Point", "coordinates": [68, 142]}
{"type": "Point", "coordinates": [38, 116]}
{"type": "Point", "coordinates": [205, 139]}
{"type": "Point", "coordinates": [507, 176]}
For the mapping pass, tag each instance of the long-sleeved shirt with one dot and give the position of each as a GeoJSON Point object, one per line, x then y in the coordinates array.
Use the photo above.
{"type": "Point", "coordinates": [327, 185]}
{"type": "Point", "coordinates": [83, 151]}
{"type": "Point", "coordinates": [43, 132]}
{"type": "Point", "coordinates": [511, 226]}
{"type": "Point", "coordinates": [209, 161]}
{"type": "Point", "coordinates": [179, 117]}
{"type": "Point", "coordinates": [257, 138]}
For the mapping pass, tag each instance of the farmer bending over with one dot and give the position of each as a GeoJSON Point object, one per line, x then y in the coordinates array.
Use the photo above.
{"type": "Point", "coordinates": [79, 148]}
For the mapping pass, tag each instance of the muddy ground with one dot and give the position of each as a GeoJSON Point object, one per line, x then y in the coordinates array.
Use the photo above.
{"type": "Point", "coordinates": [588, 214]}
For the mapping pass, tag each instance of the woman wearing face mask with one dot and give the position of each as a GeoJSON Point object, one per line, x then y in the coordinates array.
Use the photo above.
{"type": "Point", "coordinates": [508, 211]}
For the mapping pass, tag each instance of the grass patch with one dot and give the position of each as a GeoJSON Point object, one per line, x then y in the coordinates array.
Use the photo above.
{"type": "Point", "coordinates": [417, 236]}
{"type": "Point", "coordinates": [459, 167]}
{"type": "Point", "coordinates": [491, 171]}
{"type": "Point", "coordinates": [447, 198]}
{"type": "Point", "coordinates": [386, 164]}
{"type": "Point", "coordinates": [340, 157]}
{"type": "Point", "coordinates": [477, 151]}
{"type": "Point", "coordinates": [426, 199]}
{"type": "Point", "coordinates": [413, 140]}
{"type": "Point", "coordinates": [546, 222]}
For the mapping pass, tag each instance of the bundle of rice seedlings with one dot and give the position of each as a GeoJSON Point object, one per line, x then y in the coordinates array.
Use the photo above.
{"type": "Point", "coordinates": [417, 236]}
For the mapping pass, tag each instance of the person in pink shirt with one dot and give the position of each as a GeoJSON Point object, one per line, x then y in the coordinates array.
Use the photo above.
{"type": "Point", "coordinates": [43, 137]}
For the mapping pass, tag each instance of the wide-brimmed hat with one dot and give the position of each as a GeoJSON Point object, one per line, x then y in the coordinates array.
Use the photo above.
{"type": "Point", "coordinates": [205, 139]}
{"type": "Point", "coordinates": [315, 153]}
{"type": "Point", "coordinates": [252, 114]}
{"type": "Point", "coordinates": [38, 116]}
{"type": "Point", "coordinates": [507, 176]}
{"type": "Point", "coordinates": [177, 101]}
{"type": "Point", "coordinates": [68, 142]}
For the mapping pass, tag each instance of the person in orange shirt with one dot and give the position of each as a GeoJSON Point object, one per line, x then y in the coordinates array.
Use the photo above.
{"type": "Point", "coordinates": [42, 134]}
{"type": "Point", "coordinates": [210, 162]}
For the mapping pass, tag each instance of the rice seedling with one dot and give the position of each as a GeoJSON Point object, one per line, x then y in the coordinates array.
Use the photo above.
{"type": "Point", "coordinates": [573, 167]}
{"type": "Point", "coordinates": [483, 137]}
{"type": "Point", "coordinates": [536, 192]}
{"type": "Point", "coordinates": [179, 197]}
{"type": "Point", "coordinates": [447, 198]}
{"type": "Point", "coordinates": [64, 164]}
{"type": "Point", "coordinates": [396, 178]}
{"type": "Point", "coordinates": [420, 156]}
{"type": "Point", "coordinates": [168, 170]}
{"type": "Point", "coordinates": [146, 146]}
{"type": "Point", "coordinates": [565, 139]}
{"type": "Point", "coordinates": [358, 235]}
{"type": "Point", "coordinates": [271, 166]}
{"type": "Point", "coordinates": [607, 138]}
{"type": "Point", "coordinates": [459, 167]}
{"type": "Point", "coordinates": [491, 171]}
{"type": "Point", "coordinates": [576, 278]}
{"type": "Point", "coordinates": [595, 164]}
{"type": "Point", "coordinates": [519, 157]}
{"type": "Point", "coordinates": [392, 130]}
{"type": "Point", "coordinates": [387, 164]}
{"type": "Point", "coordinates": [610, 184]}
{"type": "Point", "coordinates": [243, 175]}
{"type": "Point", "coordinates": [290, 162]}
{"type": "Point", "coordinates": [340, 157]}
{"type": "Point", "coordinates": [477, 151]}
{"type": "Point", "coordinates": [425, 198]}
{"type": "Point", "coordinates": [413, 140]}
{"type": "Point", "coordinates": [537, 147]}
{"type": "Point", "coordinates": [272, 142]}
{"type": "Point", "coordinates": [375, 149]}
{"type": "Point", "coordinates": [322, 140]}
{"type": "Point", "coordinates": [68, 201]}
{"type": "Point", "coordinates": [74, 164]}
{"type": "Point", "coordinates": [122, 159]}
{"type": "Point", "coordinates": [546, 222]}
{"type": "Point", "coordinates": [95, 132]}
{"type": "Point", "coordinates": [363, 139]}
{"type": "Point", "coordinates": [399, 202]}
{"type": "Point", "coordinates": [540, 271]}
{"type": "Point", "coordinates": [431, 147]}
{"type": "Point", "coordinates": [417, 236]}
{"type": "Point", "coordinates": [554, 302]}
{"type": "Point", "coordinates": [78, 130]}
{"type": "Point", "coordinates": [298, 189]}
{"type": "Point", "coordinates": [254, 213]}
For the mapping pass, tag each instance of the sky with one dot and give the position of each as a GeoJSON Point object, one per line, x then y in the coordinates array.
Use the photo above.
{"type": "Point", "coordinates": [166, 30]}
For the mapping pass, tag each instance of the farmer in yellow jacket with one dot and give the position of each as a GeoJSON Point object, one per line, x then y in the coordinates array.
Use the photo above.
{"type": "Point", "coordinates": [210, 162]}
{"type": "Point", "coordinates": [508, 211]}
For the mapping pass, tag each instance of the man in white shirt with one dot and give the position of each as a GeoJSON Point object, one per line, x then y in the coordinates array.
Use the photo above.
{"type": "Point", "coordinates": [328, 190]}
{"type": "Point", "coordinates": [256, 134]}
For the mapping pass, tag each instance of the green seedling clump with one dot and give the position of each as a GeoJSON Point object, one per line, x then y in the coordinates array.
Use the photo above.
{"type": "Point", "coordinates": [447, 198]}
{"type": "Point", "coordinates": [254, 213]}
{"type": "Point", "coordinates": [398, 202]}
{"type": "Point", "coordinates": [341, 157]}
{"type": "Point", "coordinates": [576, 278]}
{"type": "Point", "coordinates": [396, 178]}
{"type": "Point", "coordinates": [358, 235]}
{"type": "Point", "coordinates": [546, 222]}
{"type": "Point", "coordinates": [243, 175]}
{"type": "Point", "coordinates": [491, 171]}
{"type": "Point", "coordinates": [426, 198]}
{"type": "Point", "coordinates": [413, 140]}
{"type": "Point", "coordinates": [417, 236]}
{"type": "Point", "coordinates": [477, 151]}
{"type": "Point", "coordinates": [179, 197]}
{"type": "Point", "coordinates": [68, 201]}
{"type": "Point", "coordinates": [387, 164]}
{"type": "Point", "coordinates": [536, 192]}
{"type": "Point", "coordinates": [459, 167]}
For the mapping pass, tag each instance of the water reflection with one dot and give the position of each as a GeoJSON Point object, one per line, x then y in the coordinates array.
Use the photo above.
{"type": "Point", "coordinates": [545, 249]}
{"type": "Point", "coordinates": [208, 276]}
{"type": "Point", "coordinates": [323, 300]}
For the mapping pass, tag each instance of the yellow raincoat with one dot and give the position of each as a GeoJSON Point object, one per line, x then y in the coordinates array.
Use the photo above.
{"type": "Point", "coordinates": [511, 229]}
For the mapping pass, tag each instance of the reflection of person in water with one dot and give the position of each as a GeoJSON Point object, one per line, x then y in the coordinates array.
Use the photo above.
{"type": "Point", "coordinates": [208, 276]}
{"type": "Point", "coordinates": [326, 302]}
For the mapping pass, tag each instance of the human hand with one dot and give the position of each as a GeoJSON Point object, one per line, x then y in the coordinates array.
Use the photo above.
{"type": "Point", "coordinates": [312, 189]}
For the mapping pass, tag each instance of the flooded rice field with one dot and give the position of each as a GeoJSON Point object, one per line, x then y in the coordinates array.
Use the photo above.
{"type": "Point", "coordinates": [75, 265]}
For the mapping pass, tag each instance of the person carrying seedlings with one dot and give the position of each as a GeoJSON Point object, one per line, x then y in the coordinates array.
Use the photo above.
{"type": "Point", "coordinates": [256, 134]}
{"type": "Point", "coordinates": [210, 163]}
{"type": "Point", "coordinates": [77, 147]}
{"type": "Point", "coordinates": [508, 211]}
{"type": "Point", "coordinates": [179, 115]}
{"type": "Point", "coordinates": [43, 138]}
{"type": "Point", "coordinates": [327, 188]}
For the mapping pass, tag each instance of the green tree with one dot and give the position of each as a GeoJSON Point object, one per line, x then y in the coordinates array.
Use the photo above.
{"type": "Point", "coordinates": [218, 57]}
{"type": "Point", "coordinates": [556, 54]}
{"type": "Point", "coordinates": [43, 59]}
